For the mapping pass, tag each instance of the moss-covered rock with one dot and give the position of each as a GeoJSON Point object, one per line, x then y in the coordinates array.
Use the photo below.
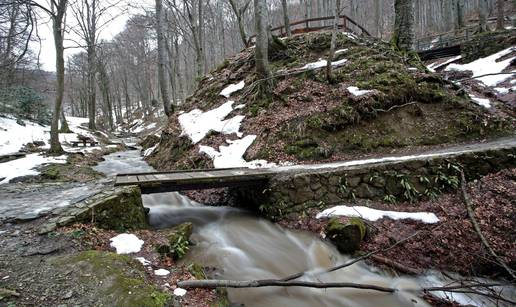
{"type": "Point", "coordinates": [178, 241]}
{"type": "Point", "coordinates": [118, 209]}
{"type": "Point", "coordinates": [346, 236]}
{"type": "Point", "coordinates": [149, 141]}
{"type": "Point", "coordinates": [110, 279]}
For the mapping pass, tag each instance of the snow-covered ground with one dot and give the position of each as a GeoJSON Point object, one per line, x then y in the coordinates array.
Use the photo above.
{"type": "Point", "coordinates": [488, 65]}
{"type": "Point", "coordinates": [26, 166]}
{"type": "Point", "coordinates": [14, 134]}
{"type": "Point", "coordinates": [371, 214]}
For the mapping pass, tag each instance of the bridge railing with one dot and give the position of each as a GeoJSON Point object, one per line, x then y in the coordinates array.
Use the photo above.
{"type": "Point", "coordinates": [450, 38]}
{"type": "Point", "coordinates": [307, 25]}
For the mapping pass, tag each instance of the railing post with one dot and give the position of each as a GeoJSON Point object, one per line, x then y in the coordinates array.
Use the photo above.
{"type": "Point", "coordinates": [344, 24]}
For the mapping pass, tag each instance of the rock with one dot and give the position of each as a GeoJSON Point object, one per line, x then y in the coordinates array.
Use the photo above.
{"type": "Point", "coordinates": [118, 209]}
{"type": "Point", "coordinates": [346, 236]}
{"type": "Point", "coordinates": [178, 241]}
{"type": "Point", "coordinates": [38, 143]}
{"type": "Point", "coordinates": [366, 191]}
{"type": "Point", "coordinates": [68, 295]}
{"type": "Point", "coordinates": [353, 181]}
{"type": "Point", "coordinates": [20, 122]}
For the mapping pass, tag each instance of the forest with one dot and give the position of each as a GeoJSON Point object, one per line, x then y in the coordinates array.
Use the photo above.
{"type": "Point", "coordinates": [258, 153]}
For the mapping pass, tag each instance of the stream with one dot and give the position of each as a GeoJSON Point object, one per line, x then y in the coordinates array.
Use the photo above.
{"type": "Point", "coordinates": [243, 246]}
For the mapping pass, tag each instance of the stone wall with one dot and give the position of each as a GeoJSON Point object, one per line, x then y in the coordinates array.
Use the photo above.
{"type": "Point", "coordinates": [293, 193]}
{"type": "Point", "coordinates": [119, 208]}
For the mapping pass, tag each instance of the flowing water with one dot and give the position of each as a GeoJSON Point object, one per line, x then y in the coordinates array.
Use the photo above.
{"type": "Point", "coordinates": [245, 247]}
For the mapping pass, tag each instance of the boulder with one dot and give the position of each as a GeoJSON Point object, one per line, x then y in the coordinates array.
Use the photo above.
{"type": "Point", "coordinates": [346, 236]}
{"type": "Point", "coordinates": [178, 241]}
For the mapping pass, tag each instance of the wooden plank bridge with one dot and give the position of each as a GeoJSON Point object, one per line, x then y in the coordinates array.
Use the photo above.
{"type": "Point", "coordinates": [157, 182]}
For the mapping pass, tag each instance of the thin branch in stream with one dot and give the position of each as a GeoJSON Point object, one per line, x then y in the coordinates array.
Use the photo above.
{"type": "Point", "coordinates": [353, 261]}
{"type": "Point", "coordinates": [486, 75]}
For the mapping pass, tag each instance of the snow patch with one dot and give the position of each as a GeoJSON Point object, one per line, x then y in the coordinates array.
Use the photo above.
{"type": "Point", "coordinates": [161, 272]}
{"type": "Point", "coordinates": [230, 89]}
{"type": "Point", "coordinates": [350, 35]}
{"type": "Point", "coordinates": [487, 65]}
{"type": "Point", "coordinates": [196, 123]}
{"type": "Point", "coordinates": [322, 63]}
{"type": "Point", "coordinates": [150, 150]}
{"type": "Point", "coordinates": [26, 166]}
{"type": "Point", "coordinates": [374, 215]}
{"type": "Point", "coordinates": [357, 92]}
{"type": "Point", "coordinates": [232, 155]}
{"type": "Point", "coordinates": [341, 51]}
{"type": "Point", "coordinates": [432, 67]}
{"type": "Point", "coordinates": [143, 261]}
{"type": "Point", "coordinates": [240, 106]}
{"type": "Point", "coordinates": [486, 103]}
{"type": "Point", "coordinates": [13, 136]}
{"type": "Point", "coordinates": [502, 90]}
{"type": "Point", "coordinates": [179, 291]}
{"type": "Point", "coordinates": [126, 243]}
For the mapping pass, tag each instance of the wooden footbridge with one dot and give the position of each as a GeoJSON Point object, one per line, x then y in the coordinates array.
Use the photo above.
{"type": "Point", "coordinates": [158, 182]}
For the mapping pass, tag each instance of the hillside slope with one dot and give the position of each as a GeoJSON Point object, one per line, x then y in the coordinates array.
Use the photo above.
{"type": "Point", "coordinates": [381, 101]}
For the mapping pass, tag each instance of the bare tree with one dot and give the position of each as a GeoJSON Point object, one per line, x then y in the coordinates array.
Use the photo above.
{"type": "Point", "coordinates": [162, 54]}
{"type": "Point", "coordinates": [92, 17]}
{"type": "Point", "coordinates": [240, 13]}
{"type": "Point", "coordinates": [56, 11]}
{"type": "Point", "coordinates": [404, 32]}
{"type": "Point", "coordinates": [329, 75]}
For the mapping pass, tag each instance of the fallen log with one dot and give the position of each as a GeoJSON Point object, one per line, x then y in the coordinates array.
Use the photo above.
{"type": "Point", "coordinates": [215, 283]}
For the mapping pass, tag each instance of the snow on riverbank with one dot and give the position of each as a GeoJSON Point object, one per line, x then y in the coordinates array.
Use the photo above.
{"type": "Point", "coordinates": [26, 166]}
{"type": "Point", "coordinates": [371, 214]}
{"type": "Point", "coordinates": [488, 65]}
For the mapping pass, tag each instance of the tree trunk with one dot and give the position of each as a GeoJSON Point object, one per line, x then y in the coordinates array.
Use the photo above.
{"type": "Point", "coordinates": [460, 14]}
{"type": "Point", "coordinates": [482, 15]}
{"type": "Point", "coordinates": [285, 17]}
{"type": "Point", "coordinates": [262, 39]}
{"type": "Point", "coordinates": [103, 82]}
{"type": "Point", "coordinates": [329, 75]}
{"type": "Point", "coordinates": [404, 33]}
{"type": "Point", "coordinates": [57, 27]}
{"type": "Point", "coordinates": [64, 123]}
{"type": "Point", "coordinates": [91, 89]}
{"type": "Point", "coordinates": [499, 14]}
{"type": "Point", "coordinates": [162, 76]}
{"type": "Point", "coordinates": [377, 18]}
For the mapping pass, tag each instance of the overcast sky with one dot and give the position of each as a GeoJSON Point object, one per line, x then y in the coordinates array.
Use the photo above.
{"type": "Point", "coordinates": [47, 50]}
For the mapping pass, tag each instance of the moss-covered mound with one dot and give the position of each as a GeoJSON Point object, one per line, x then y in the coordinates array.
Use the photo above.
{"type": "Point", "coordinates": [108, 279]}
{"type": "Point", "coordinates": [307, 119]}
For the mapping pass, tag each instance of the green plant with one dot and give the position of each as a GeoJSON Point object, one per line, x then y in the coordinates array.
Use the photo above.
{"type": "Point", "coordinates": [410, 193]}
{"type": "Point", "coordinates": [180, 247]}
{"type": "Point", "coordinates": [390, 199]}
